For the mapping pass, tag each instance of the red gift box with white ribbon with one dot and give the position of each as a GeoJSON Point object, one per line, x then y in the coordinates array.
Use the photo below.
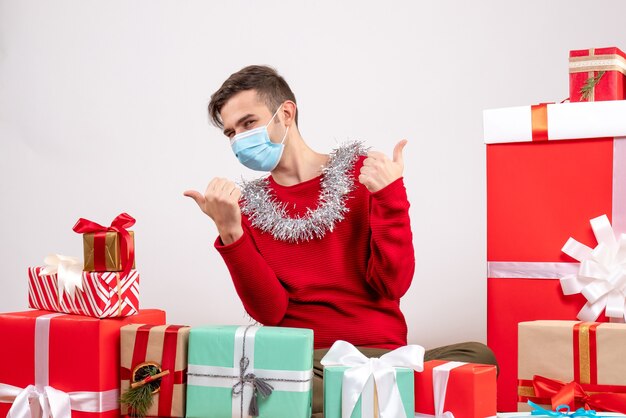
{"type": "Point", "coordinates": [62, 365]}
{"type": "Point", "coordinates": [551, 168]}
{"type": "Point", "coordinates": [455, 389]}
{"type": "Point", "coordinates": [97, 294]}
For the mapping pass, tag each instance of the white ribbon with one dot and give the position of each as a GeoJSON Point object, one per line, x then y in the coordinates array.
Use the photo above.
{"type": "Point", "coordinates": [69, 271]}
{"type": "Point", "coordinates": [43, 401]}
{"type": "Point", "coordinates": [383, 372]}
{"type": "Point", "coordinates": [441, 375]}
{"type": "Point", "coordinates": [601, 277]}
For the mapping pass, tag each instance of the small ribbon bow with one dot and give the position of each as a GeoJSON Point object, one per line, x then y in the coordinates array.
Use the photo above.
{"type": "Point", "coordinates": [119, 225]}
{"type": "Point", "coordinates": [342, 353]}
{"type": "Point", "coordinates": [601, 277]}
{"type": "Point", "coordinates": [573, 395]}
{"type": "Point", "coordinates": [259, 387]}
{"type": "Point", "coordinates": [561, 411]}
{"type": "Point", "coordinates": [69, 271]}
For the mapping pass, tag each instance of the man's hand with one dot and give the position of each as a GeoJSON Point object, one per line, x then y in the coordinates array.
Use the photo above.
{"type": "Point", "coordinates": [378, 171]}
{"type": "Point", "coordinates": [221, 202]}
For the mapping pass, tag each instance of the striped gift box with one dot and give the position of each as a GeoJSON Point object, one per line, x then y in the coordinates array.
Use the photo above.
{"type": "Point", "coordinates": [103, 294]}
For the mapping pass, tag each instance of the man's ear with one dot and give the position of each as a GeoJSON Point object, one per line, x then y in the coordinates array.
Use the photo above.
{"type": "Point", "coordinates": [289, 112]}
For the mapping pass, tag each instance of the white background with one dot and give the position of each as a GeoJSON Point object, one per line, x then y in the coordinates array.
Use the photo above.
{"type": "Point", "coordinates": [103, 110]}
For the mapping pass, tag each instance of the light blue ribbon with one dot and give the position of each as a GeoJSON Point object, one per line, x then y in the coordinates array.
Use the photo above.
{"type": "Point", "coordinates": [562, 411]}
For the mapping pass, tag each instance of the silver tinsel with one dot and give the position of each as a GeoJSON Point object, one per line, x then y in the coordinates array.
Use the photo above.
{"type": "Point", "coordinates": [265, 213]}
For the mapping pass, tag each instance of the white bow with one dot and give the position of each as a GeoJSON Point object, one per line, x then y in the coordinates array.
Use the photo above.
{"type": "Point", "coordinates": [382, 369]}
{"type": "Point", "coordinates": [69, 271]}
{"type": "Point", "coordinates": [33, 402]}
{"type": "Point", "coordinates": [601, 277]}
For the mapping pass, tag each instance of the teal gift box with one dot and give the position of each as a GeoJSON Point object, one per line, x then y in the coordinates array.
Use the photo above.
{"type": "Point", "coordinates": [333, 383]}
{"type": "Point", "coordinates": [232, 368]}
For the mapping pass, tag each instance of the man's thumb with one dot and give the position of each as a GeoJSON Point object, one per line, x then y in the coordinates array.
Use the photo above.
{"type": "Point", "coordinates": [397, 151]}
{"type": "Point", "coordinates": [195, 196]}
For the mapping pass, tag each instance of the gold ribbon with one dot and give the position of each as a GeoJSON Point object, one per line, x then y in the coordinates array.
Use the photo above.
{"type": "Point", "coordinates": [591, 63]}
{"type": "Point", "coordinates": [584, 357]}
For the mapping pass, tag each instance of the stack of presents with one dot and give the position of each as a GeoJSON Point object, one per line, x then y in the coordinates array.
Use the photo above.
{"type": "Point", "coordinates": [556, 244]}
{"type": "Point", "coordinates": [87, 350]}
{"type": "Point", "coordinates": [556, 189]}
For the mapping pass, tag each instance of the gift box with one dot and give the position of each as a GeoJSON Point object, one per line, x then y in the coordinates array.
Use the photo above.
{"type": "Point", "coordinates": [109, 248]}
{"type": "Point", "coordinates": [101, 295]}
{"type": "Point", "coordinates": [68, 363]}
{"type": "Point", "coordinates": [550, 169]}
{"type": "Point", "coordinates": [368, 398]}
{"type": "Point", "coordinates": [357, 387]}
{"type": "Point", "coordinates": [149, 350]}
{"type": "Point", "coordinates": [578, 364]}
{"type": "Point", "coordinates": [235, 371]}
{"type": "Point", "coordinates": [466, 390]}
{"type": "Point", "coordinates": [597, 74]}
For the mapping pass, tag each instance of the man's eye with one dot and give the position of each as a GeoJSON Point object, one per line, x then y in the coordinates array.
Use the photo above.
{"type": "Point", "coordinates": [248, 124]}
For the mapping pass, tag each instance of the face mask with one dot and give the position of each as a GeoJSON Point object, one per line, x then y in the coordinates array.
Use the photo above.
{"type": "Point", "coordinates": [255, 150]}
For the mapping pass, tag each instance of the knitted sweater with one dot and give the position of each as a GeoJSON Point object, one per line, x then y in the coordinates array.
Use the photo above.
{"type": "Point", "coordinates": [346, 285]}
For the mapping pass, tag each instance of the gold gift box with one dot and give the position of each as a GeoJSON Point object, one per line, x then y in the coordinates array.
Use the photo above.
{"type": "Point", "coordinates": [112, 253]}
{"type": "Point", "coordinates": [546, 348]}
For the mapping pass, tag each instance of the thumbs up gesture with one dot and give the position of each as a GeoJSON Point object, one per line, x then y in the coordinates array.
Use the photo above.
{"type": "Point", "coordinates": [379, 171]}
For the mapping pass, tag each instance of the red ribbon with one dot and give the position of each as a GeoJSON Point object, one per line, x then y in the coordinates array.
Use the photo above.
{"type": "Point", "coordinates": [119, 225]}
{"type": "Point", "coordinates": [168, 362]}
{"type": "Point", "coordinates": [574, 395]}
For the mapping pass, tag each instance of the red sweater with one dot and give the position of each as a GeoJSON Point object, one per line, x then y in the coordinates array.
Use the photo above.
{"type": "Point", "coordinates": [346, 285]}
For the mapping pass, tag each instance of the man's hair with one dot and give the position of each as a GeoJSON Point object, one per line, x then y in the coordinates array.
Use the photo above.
{"type": "Point", "coordinates": [271, 88]}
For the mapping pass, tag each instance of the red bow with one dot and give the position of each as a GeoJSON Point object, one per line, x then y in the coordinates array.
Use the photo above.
{"type": "Point", "coordinates": [119, 225]}
{"type": "Point", "coordinates": [573, 395]}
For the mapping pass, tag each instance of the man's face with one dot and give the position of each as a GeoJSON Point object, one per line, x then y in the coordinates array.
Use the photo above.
{"type": "Point", "coordinates": [244, 111]}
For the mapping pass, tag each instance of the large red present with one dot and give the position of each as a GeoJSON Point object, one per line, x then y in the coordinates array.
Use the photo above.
{"type": "Point", "coordinates": [597, 74]}
{"type": "Point", "coordinates": [465, 390]}
{"type": "Point", "coordinates": [578, 364]}
{"type": "Point", "coordinates": [550, 169]}
{"type": "Point", "coordinates": [68, 364]}
{"type": "Point", "coordinates": [98, 294]}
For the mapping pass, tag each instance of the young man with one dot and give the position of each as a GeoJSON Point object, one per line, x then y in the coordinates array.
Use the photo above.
{"type": "Point", "coordinates": [324, 242]}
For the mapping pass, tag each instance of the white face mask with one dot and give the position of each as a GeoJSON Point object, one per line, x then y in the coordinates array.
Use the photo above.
{"type": "Point", "coordinates": [255, 150]}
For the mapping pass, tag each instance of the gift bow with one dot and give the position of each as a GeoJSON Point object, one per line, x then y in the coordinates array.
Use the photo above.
{"type": "Point", "coordinates": [382, 369]}
{"type": "Point", "coordinates": [119, 225]}
{"type": "Point", "coordinates": [601, 277]}
{"type": "Point", "coordinates": [561, 411]}
{"type": "Point", "coordinates": [48, 402]}
{"type": "Point", "coordinates": [574, 395]}
{"type": "Point", "coordinates": [69, 271]}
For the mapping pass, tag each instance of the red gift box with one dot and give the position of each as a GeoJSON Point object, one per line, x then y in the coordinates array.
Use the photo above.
{"type": "Point", "coordinates": [58, 359]}
{"type": "Point", "coordinates": [103, 295]}
{"type": "Point", "coordinates": [540, 193]}
{"type": "Point", "coordinates": [603, 70]}
{"type": "Point", "coordinates": [469, 390]}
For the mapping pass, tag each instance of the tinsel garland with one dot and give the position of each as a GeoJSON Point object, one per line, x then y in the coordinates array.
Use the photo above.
{"type": "Point", "coordinates": [265, 213]}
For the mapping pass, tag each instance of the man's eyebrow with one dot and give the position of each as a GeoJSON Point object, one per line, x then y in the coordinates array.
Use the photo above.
{"type": "Point", "coordinates": [239, 122]}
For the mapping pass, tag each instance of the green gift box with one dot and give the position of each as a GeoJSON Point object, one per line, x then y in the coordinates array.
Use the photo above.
{"type": "Point", "coordinates": [231, 369]}
{"type": "Point", "coordinates": [333, 383]}
{"type": "Point", "coordinates": [356, 386]}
